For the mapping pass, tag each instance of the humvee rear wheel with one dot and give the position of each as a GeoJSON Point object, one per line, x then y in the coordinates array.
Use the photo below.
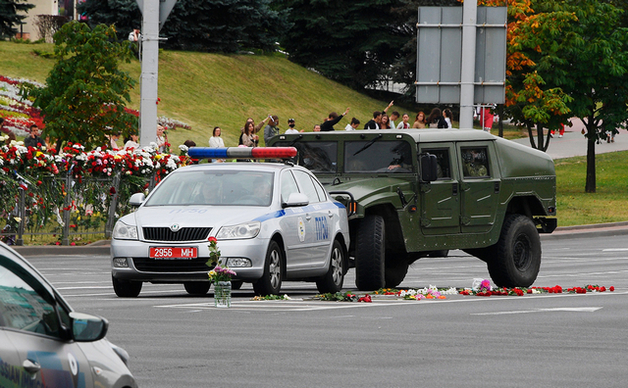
{"type": "Point", "coordinates": [370, 251]}
{"type": "Point", "coordinates": [517, 257]}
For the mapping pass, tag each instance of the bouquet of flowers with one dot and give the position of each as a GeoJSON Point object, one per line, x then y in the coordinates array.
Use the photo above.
{"type": "Point", "coordinates": [220, 273]}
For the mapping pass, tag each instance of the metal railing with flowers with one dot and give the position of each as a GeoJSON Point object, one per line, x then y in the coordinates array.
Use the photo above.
{"type": "Point", "coordinates": [73, 192]}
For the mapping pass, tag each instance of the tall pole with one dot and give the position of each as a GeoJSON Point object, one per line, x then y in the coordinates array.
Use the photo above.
{"type": "Point", "coordinates": [150, 68]}
{"type": "Point", "coordinates": [467, 73]}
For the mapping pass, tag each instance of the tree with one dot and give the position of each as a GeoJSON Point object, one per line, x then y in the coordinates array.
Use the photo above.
{"type": "Point", "coordinates": [348, 41]}
{"type": "Point", "coordinates": [530, 101]}
{"type": "Point", "coordinates": [213, 26]}
{"type": "Point", "coordinates": [85, 96]}
{"type": "Point", "coordinates": [588, 61]}
{"type": "Point", "coordinates": [10, 16]}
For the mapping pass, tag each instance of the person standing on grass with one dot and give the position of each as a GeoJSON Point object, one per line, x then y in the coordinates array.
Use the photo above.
{"type": "Point", "coordinates": [332, 120]}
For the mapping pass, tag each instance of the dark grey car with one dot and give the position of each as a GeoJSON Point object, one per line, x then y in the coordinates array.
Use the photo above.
{"type": "Point", "coordinates": [43, 343]}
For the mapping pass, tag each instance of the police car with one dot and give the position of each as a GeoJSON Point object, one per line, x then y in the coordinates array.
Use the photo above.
{"type": "Point", "coordinates": [273, 222]}
{"type": "Point", "coordinates": [43, 343]}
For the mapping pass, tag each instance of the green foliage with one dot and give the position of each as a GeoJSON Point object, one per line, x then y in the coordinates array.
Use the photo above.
{"type": "Point", "coordinates": [214, 26]}
{"type": "Point", "coordinates": [86, 93]}
{"type": "Point", "coordinates": [12, 13]}
{"type": "Point", "coordinates": [348, 41]}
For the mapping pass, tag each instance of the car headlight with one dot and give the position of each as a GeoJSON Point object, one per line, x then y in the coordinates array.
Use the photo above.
{"type": "Point", "coordinates": [246, 230]}
{"type": "Point", "coordinates": [123, 231]}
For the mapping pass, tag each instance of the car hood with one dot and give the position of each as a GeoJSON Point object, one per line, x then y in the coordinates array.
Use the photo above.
{"type": "Point", "coordinates": [195, 216]}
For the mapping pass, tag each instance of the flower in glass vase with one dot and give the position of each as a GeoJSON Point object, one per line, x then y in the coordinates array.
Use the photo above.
{"type": "Point", "coordinates": [220, 272]}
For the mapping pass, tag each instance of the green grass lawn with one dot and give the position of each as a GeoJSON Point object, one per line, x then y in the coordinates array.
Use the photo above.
{"type": "Point", "coordinates": [207, 90]}
{"type": "Point", "coordinates": [608, 204]}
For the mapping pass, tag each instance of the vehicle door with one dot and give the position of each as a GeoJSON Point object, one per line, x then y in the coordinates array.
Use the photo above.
{"type": "Point", "coordinates": [479, 186]}
{"type": "Point", "coordinates": [440, 199]}
{"type": "Point", "coordinates": [318, 219]}
{"type": "Point", "coordinates": [32, 321]}
{"type": "Point", "coordinates": [295, 226]}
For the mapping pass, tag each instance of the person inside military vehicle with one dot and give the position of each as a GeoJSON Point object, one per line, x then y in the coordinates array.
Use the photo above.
{"type": "Point", "coordinates": [402, 160]}
{"type": "Point", "coordinates": [475, 162]}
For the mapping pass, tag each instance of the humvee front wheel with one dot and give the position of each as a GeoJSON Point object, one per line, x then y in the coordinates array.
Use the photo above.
{"type": "Point", "coordinates": [370, 253]}
{"type": "Point", "coordinates": [517, 258]}
{"type": "Point", "coordinates": [395, 274]}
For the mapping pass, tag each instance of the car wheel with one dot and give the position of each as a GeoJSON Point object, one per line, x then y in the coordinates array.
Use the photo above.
{"type": "Point", "coordinates": [335, 276]}
{"type": "Point", "coordinates": [197, 288]}
{"type": "Point", "coordinates": [236, 284]}
{"type": "Point", "coordinates": [270, 282]}
{"type": "Point", "coordinates": [370, 249]}
{"type": "Point", "coordinates": [126, 288]}
{"type": "Point", "coordinates": [517, 257]}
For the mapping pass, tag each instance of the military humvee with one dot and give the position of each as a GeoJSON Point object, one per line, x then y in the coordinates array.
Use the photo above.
{"type": "Point", "coordinates": [418, 192]}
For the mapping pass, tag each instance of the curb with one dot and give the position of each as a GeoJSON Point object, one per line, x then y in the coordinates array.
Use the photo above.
{"type": "Point", "coordinates": [594, 230]}
{"type": "Point", "coordinates": [100, 248]}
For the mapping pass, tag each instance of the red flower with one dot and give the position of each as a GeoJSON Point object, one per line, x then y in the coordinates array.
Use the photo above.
{"type": "Point", "coordinates": [212, 239]}
{"type": "Point", "coordinates": [39, 183]}
{"type": "Point", "coordinates": [612, 288]}
{"type": "Point", "coordinates": [112, 190]}
{"type": "Point", "coordinates": [366, 299]}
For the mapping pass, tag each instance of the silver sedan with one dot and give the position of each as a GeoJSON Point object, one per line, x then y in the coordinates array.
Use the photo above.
{"type": "Point", "coordinates": [273, 222]}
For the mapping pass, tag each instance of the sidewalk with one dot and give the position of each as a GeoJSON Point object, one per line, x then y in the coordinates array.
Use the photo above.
{"type": "Point", "coordinates": [573, 143]}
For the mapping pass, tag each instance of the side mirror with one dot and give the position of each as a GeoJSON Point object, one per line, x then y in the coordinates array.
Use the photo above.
{"type": "Point", "coordinates": [137, 199]}
{"type": "Point", "coordinates": [88, 328]}
{"type": "Point", "coordinates": [429, 168]}
{"type": "Point", "coordinates": [296, 199]}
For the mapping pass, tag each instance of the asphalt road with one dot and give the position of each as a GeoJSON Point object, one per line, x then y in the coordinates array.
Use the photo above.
{"type": "Point", "coordinates": [546, 340]}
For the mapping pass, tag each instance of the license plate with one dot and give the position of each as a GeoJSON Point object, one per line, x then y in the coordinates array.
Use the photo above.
{"type": "Point", "coordinates": [172, 253]}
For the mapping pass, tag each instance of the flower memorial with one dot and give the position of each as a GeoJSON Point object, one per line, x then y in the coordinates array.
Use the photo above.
{"type": "Point", "coordinates": [434, 293]}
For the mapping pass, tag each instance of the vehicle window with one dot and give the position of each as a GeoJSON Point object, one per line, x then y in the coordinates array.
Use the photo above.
{"type": "Point", "coordinates": [475, 162]}
{"type": "Point", "coordinates": [215, 187]}
{"type": "Point", "coordinates": [22, 307]}
{"type": "Point", "coordinates": [307, 186]}
{"type": "Point", "coordinates": [442, 162]}
{"type": "Point", "coordinates": [322, 194]}
{"type": "Point", "coordinates": [315, 156]}
{"type": "Point", "coordinates": [288, 186]}
{"type": "Point", "coordinates": [378, 156]}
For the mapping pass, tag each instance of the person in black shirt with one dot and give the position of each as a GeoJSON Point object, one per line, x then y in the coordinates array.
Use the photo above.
{"type": "Point", "coordinates": [332, 120]}
{"type": "Point", "coordinates": [33, 140]}
{"type": "Point", "coordinates": [374, 124]}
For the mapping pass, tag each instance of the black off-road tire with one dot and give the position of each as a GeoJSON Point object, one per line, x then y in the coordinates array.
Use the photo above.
{"type": "Point", "coordinates": [335, 276]}
{"type": "Point", "coordinates": [370, 253]}
{"type": "Point", "coordinates": [197, 288]}
{"type": "Point", "coordinates": [517, 254]}
{"type": "Point", "coordinates": [396, 273]}
{"type": "Point", "coordinates": [270, 282]}
{"type": "Point", "coordinates": [126, 288]}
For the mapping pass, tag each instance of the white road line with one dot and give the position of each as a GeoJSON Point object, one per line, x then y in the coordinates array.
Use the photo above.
{"type": "Point", "coordinates": [556, 309]}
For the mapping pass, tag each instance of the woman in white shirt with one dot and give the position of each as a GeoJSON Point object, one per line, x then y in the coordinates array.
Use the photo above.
{"type": "Point", "coordinates": [216, 141]}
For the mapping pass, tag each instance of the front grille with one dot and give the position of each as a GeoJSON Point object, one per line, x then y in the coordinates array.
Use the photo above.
{"type": "Point", "coordinates": [152, 265]}
{"type": "Point", "coordinates": [184, 234]}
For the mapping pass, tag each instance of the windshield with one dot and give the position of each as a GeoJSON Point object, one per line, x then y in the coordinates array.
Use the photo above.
{"type": "Point", "coordinates": [320, 156]}
{"type": "Point", "coordinates": [215, 187]}
{"type": "Point", "coordinates": [380, 156]}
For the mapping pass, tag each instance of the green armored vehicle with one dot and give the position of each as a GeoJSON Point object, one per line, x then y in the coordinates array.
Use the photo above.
{"type": "Point", "coordinates": [416, 193]}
